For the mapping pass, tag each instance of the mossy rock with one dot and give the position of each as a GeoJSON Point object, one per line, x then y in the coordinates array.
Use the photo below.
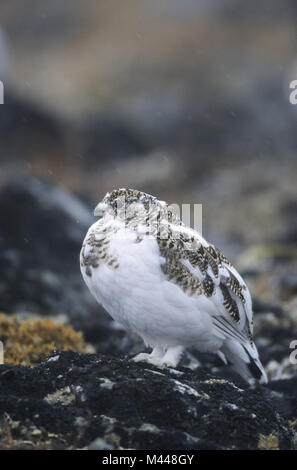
{"type": "Point", "coordinates": [29, 342]}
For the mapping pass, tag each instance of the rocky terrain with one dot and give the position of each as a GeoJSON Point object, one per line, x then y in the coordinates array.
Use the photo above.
{"type": "Point", "coordinates": [103, 401]}
{"type": "Point", "coordinates": [188, 101]}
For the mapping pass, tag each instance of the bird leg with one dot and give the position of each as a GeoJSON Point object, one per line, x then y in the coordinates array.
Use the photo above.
{"type": "Point", "coordinates": [158, 358]}
{"type": "Point", "coordinates": [153, 358]}
{"type": "Point", "coordinates": [171, 357]}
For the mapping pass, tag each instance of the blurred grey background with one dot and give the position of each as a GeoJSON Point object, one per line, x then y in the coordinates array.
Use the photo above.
{"type": "Point", "coordinates": [189, 100]}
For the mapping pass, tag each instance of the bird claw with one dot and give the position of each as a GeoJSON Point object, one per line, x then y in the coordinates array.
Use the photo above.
{"type": "Point", "coordinates": [168, 364]}
{"type": "Point", "coordinates": [144, 357]}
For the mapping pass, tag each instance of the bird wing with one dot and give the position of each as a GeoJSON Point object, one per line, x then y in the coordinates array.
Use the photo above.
{"type": "Point", "coordinates": [199, 268]}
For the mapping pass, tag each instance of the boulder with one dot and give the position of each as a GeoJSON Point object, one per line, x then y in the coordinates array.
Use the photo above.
{"type": "Point", "coordinates": [75, 400]}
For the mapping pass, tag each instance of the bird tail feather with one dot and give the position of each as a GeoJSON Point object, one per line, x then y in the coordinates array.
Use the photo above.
{"type": "Point", "coordinates": [245, 360]}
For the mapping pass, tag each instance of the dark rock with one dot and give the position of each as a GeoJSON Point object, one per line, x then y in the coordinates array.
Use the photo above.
{"type": "Point", "coordinates": [76, 399]}
{"type": "Point", "coordinates": [102, 139]}
{"type": "Point", "coordinates": [288, 285]}
{"type": "Point", "coordinates": [283, 394]}
{"type": "Point", "coordinates": [40, 238]}
{"type": "Point", "coordinates": [273, 339]}
{"type": "Point", "coordinates": [260, 306]}
{"type": "Point", "coordinates": [288, 209]}
{"type": "Point", "coordinates": [28, 131]}
{"type": "Point", "coordinates": [100, 444]}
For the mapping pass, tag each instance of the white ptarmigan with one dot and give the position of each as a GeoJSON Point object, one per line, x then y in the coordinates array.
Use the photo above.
{"type": "Point", "coordinates": [164, 281]}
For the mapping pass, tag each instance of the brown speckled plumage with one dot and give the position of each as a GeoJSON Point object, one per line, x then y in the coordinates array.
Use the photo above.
{"type": "Point", "coordinates": [97, 251]}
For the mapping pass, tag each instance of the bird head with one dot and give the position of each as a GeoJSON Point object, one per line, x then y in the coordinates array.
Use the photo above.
{"type": "Point", "coordinates": [126, 202]}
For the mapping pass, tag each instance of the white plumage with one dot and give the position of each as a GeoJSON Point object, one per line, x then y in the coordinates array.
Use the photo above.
{"type": "Point", "coordinates": [167, 283]}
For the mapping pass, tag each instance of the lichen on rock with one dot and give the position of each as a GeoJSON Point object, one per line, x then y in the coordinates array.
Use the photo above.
{"type": "Point", "coordinates": [28, 342]}
{"type": "Point", "coordinates": [140, 408]}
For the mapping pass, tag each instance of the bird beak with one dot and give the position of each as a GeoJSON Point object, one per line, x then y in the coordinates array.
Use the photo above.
{"type": "Point", "coordinates": [100, 209]}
